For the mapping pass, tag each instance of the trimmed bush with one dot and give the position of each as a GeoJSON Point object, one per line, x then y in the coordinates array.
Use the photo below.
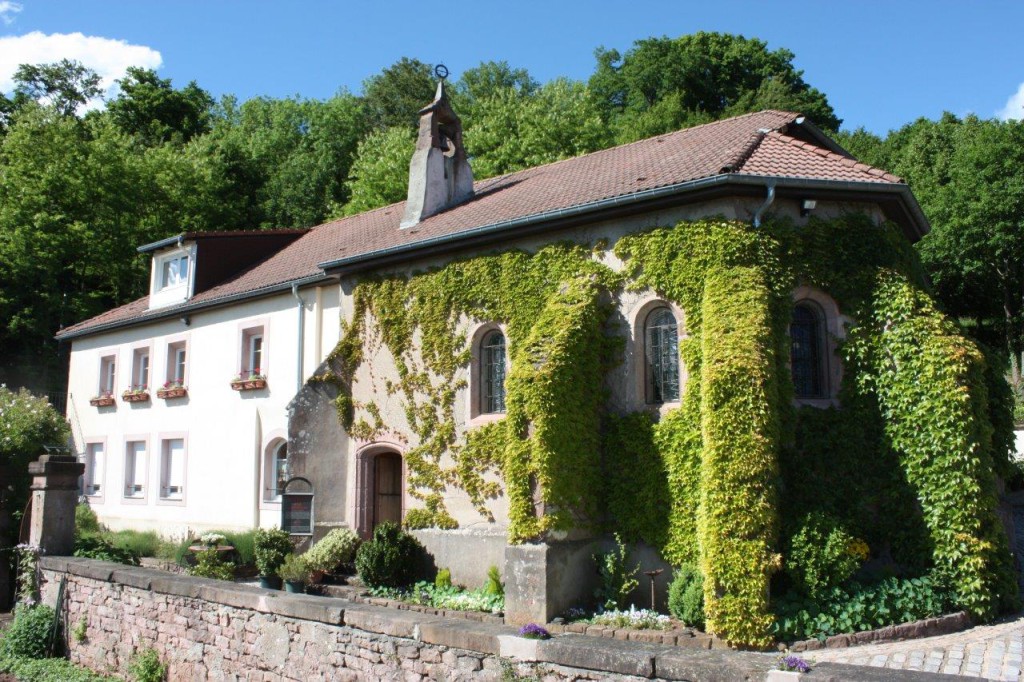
{"type": "Point", "coordinates": [270, 548]}
{"type": "Point", "coordinates": [686, 596]}
{"type": "Point", "coordinates": [336, 548]}
{"type": "Point", "coordinates": [390, 559]}
{"type": "Point", "coordinates": [86, 520]}
{"type": "Point", "coordinates": [293, 569]}
{"type": "Point", "coordinates": [210, 565]}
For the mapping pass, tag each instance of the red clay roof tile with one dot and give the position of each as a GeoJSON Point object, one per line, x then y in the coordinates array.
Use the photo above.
{"type": "Point", "coordinates": [753, 144]}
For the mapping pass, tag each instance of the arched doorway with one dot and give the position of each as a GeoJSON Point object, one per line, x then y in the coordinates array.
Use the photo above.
{"type": "Point", "coordinates": [387, 488]}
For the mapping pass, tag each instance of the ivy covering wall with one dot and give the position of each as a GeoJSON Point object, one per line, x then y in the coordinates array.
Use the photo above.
{"type": "Point", "coordinates": [908, 463]}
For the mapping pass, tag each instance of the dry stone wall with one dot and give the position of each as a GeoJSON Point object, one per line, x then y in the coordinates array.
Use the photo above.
{"type": "Point", "coordinates": [212, 630]}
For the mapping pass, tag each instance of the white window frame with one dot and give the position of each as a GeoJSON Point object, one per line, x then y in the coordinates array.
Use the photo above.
{"type": "Point", "coordinates": [108, 374]}
{"type": "Point", "coordinates": [133, 492]}
{"type": "Point", "coordinates": [175, 348]}
{"type": "Point", "coordinates": [142, 367]}
{"type": "Point", "coordinates": [164, 290]}
{"type": "Point", "coordinates": [248, 331]}
{"type": "Point", "coordinates": [165, 271]}
{"type": "Point", "coordinates": [164, 495]}
{"type": "Point", "coordinates": [89, 477]}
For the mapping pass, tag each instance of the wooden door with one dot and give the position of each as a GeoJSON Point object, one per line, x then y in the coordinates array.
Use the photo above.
{"type": "Point", "coordinates": [387, 495]}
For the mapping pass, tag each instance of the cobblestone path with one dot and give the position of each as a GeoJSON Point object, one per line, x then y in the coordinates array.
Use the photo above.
{"type": "Point", "coordinates": [993, 652]}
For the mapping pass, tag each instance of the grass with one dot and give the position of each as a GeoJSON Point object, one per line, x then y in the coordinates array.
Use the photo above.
{"type": "Point", "coordinates": [145, 543]}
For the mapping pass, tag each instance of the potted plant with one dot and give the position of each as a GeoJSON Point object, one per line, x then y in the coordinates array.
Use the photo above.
{"type": "Point", "coordinates": [104, 399]}
{"type": "Point", "coordinates": [172, 389]}
{"type": "Point", "coordinates": [249, 380]}
{"type": "Point", "coordinates": [294, 573]}
{"type": "Point", "coordinates": [270, 548]}
{"type": "Point", "coordinates": [137, 393]}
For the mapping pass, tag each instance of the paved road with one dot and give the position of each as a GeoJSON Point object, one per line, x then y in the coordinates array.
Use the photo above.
{"type": "Point", "coordinates": [990, 651]}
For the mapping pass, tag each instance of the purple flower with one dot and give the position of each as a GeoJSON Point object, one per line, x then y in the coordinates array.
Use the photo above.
{"type": "Point", "coordinates": [794, 663]}
{"type": "Point", "coordinates": [534, 631]}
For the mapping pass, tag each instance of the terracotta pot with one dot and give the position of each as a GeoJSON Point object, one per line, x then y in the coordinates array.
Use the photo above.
{"type": "Point", "coordinates": [105, 401]}
{"type": "Point", "coordinates": [135, 397]}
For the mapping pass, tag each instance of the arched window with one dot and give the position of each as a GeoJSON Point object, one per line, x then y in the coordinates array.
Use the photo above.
{"type": "Point", "coordinates": [492, 373]}
{"type": "Point", "coordinates": [276, 472]}
{"type": "Point", "coordinates": [806, 351]}
{"type": "Point", "coordinates": [661, 346]}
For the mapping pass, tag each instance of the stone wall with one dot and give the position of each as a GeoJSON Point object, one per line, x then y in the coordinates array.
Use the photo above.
{"type": "Point", "coordinates": [208, 629]}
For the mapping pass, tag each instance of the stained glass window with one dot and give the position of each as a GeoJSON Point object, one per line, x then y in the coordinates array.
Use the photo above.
{"type": "Point", "coordinates": [492, 372]}
{"type": "Point", "coordinates": [662, 347]}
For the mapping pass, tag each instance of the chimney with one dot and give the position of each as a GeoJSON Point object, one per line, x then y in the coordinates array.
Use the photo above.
{"type": "Point", "coordinates": [439, 173]}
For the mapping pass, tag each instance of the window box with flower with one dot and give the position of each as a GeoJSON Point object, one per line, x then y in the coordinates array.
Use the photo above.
{"type": "Point", "coordinates": [138, 393]}
{"type": "Point", "coordinates": [104, 399]}
{"type": "Point", "coordinates": [172, 389]}
{"type": "Point", "coordinates": [249, 380]}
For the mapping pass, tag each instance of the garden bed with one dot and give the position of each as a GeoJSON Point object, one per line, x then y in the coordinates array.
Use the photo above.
{"type": "Point", "coordinates": [929, 627]}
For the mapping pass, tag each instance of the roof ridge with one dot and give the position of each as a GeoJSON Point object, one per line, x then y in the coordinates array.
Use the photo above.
{"type": "Point", "coordinates": [848, 161]}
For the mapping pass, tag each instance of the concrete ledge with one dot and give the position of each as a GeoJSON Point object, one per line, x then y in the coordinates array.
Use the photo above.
{"type": "Point", "coordinates": [386, 621]}
{"type": "Point", "coordinates": [930, 627]}
{"type": "Point", "coordinates": [303, 607]}
{"type": "Point", "coordinates": [701, 664]}
{"type": "Point", "coordinates": [610, 655]}
{"type": "Point", "coordinates": [459, 634]}
{"type": "Point", "coordinates": [840, 672]}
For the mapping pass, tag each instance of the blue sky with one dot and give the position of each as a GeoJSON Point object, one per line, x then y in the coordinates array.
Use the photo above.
{"type": "Point", "coordinates": [882, 64]}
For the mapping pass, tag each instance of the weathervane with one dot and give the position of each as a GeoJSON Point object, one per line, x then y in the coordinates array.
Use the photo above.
{"type": "Point", "coordinates": [441, 71]}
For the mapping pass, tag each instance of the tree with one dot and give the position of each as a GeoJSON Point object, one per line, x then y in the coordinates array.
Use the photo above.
{"type": "Point", "coordinates": [488, 80]}
{"type": "Point", "coordinates": [512, 131]}
{"type": "Point", "coordinates": [663, 84]}
{"type": "Point", "coordinates": [292, 156]}
{"type": "Point", "coordinates": [395, 95]}
{"type": "Point", "coordinates": [65, 85]}
{"type": "Point", "coordinates": [27, 423]}
{"type": "Point", "coordinates": [968, 175]}
{"type": "Point", "coordinates": [380, 172]}
{"type": "Point", "coordinates": [151, 109]}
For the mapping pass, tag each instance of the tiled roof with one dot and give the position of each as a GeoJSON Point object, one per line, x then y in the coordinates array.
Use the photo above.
{"type": "Point", "coordinates": [754, 144]}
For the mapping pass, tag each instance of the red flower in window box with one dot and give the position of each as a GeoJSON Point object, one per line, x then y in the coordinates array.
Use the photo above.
{"type": "Point", "coordinates": [249, 381]}
{"type": "Point", "coordinates": [172, 389]}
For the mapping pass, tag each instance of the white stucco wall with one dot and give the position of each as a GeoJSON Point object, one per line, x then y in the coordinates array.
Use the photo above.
{"type": "Point", "coordinates": [227, 432]}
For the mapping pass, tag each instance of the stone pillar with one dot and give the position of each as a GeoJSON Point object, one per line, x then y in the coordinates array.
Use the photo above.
{"type": "Point", "coordinates": [543, 580]}
{"type": "Point", "coordinates": [54, 497]}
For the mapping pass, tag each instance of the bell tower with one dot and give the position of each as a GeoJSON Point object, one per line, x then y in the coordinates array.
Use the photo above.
{"type": "Point", "coordinates": [439, 173]}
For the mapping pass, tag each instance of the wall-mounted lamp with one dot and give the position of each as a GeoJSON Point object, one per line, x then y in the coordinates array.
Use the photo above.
{"type": "Point", "coordinates": [806, 206]}
{"type": "Point", "coordinates": [186, 320]}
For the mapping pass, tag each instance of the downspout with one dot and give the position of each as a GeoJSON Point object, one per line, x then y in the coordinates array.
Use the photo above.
{"type": "Point", "coordinates": [767, 203]}
{"type": "Point", "coordinates": [302, 337]}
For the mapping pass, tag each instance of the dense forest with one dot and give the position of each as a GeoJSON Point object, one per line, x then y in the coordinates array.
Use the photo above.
{"type": "Point", "coordinates": [79, 192]}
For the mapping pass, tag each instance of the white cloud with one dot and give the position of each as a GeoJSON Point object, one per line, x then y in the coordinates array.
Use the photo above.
{"type": "Point", "coordinates": [7, 11]}
{"type": "Point", "coordinates": [106, 56]}
{"type": "Point", "coordinates": [1014, 106]}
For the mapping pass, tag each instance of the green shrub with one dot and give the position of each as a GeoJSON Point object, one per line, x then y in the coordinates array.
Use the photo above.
{"type": "Point", "coordinates": [336, 548]}
{"type": "Point", "coordinates": [855, 607]}
{"type": "Point", "coordinates": [686, 596]}
{"type": "Point", "coordinates": [210, 565]}
{"type": "Point", "coordinates": [92, 546]}
{"type": "Point", "coordinates": [86, 520]}
{"type": "Point", "coordinates": [617, 580]}
{"type": "Point", "coordinates": [142, 543]}
{"type": "Point", "coordinates": [270, 547]}
{"type": "Point", "coordinates": [175, 551]}
{"type": "Point", "coordinates": [390, 559]}
{"type": "Point", "coordinates": [294, 568]}
{"type": "Point", "coordinates": [50, 670]}
{"type": "Point", "coordinates": [493, 584]}
{"type": "Point", "coordinates": [443, 580]}
{"type": "Point", "coordinates": [29, 634]}
{"type": "Point", "coordinates": [822, 555]}
{"type": "Point", "coordinates": [146, 666]}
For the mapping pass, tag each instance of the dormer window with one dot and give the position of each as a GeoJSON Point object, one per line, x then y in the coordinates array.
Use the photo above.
{"type": "Point", "coordinates": [173, 271]}
{"type": "Point", "coordinates": [172, 279]}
